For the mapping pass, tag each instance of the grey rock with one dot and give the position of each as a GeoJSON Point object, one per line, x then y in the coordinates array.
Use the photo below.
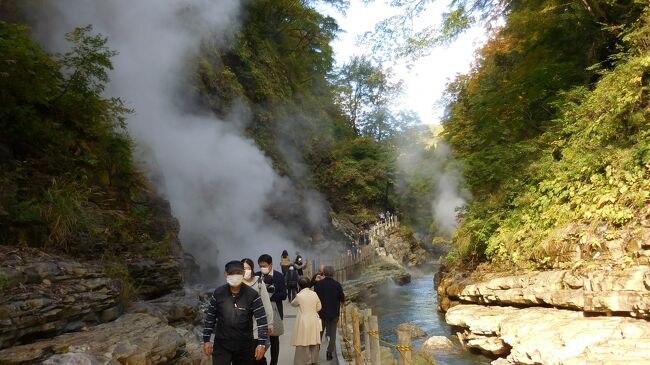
{"type": "Point", "coordinates": [137, 339]}
{"type": "Point", "coordinates": [552, 336]}
{"type": "Point", "coordinates": [412, 328]}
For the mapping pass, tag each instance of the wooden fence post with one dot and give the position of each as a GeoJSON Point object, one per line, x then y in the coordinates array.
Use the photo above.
{"type": "Point", "coordinates": [366, 327]}
{"type": "Point", "coordinates": [375, 350]}
{"type": "Point", "coordinates": [356, 340]}
{"type": "Point", "coordinates": [404, 347]}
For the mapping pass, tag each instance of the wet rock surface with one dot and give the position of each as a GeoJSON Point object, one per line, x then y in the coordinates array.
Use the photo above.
{"type": "Point", "coordinates": [551, 336]}
{"type": "Point", "coordinates": [413, 329]}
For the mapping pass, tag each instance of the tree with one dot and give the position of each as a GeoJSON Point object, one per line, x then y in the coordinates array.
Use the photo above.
{"type": "Point", "coordinates": [366, 94]}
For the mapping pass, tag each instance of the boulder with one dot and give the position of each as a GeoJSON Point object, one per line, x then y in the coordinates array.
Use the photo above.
{"type": "Point", "coordinates": [437, 343]}
{"type": "Point", "coordinates": [412, 328]}
{"type": "Point", "coordinates": [560, 336]}
{"type": "Point", "coordinates": [138, 339]}
{"type": "Point", "coordinates": [374, 276]}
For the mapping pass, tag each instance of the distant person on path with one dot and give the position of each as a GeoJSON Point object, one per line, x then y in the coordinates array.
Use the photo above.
{"type": "Point", "coordinates": [355, 251]}
{"type": "Point", "coordinates": [307, 329]}
{"type": "Point", "coordinates": [330, 293]}
{"type": "Point", "coordinates": [285, 261]}
{"type": "Point", "coordinates": [257, 283]}
{"type": "Point", "coordinates": [277, 288]}
{"type": "Point", "coordinates": [299, 265]}
{"type": "Point", "coordinates": [382, 218]}
{"type": "Point", "coordinates": [292, 282]}
{"type": "Point", "coordinates": [230, 317]}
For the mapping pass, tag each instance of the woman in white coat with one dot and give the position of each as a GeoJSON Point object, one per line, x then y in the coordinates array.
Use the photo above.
{"type": "Point", "coordinates": [257, 283]}
{"type": "Point", "coordinates": [306, 331]}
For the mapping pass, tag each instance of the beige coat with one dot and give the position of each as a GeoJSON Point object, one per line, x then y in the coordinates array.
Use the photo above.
{"type": "Point", "coordinates": [306, 330]}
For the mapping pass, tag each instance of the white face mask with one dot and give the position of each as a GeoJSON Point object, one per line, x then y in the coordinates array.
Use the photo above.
{"type": "Point", "coordinates": [265, 270]}
{"type": "Point", "coordinates": [247, 274]}
{"type": "Point", "coordinates": [234, 280]}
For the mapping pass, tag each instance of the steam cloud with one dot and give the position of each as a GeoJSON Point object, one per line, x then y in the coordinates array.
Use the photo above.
{"type": "Point", "coordinates": [218, 182]}
{"type": "Point", "coordinates": [447, 195]}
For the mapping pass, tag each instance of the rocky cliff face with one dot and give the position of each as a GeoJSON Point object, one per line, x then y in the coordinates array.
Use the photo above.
{"type": "Point", "coordinates": [552, 317]}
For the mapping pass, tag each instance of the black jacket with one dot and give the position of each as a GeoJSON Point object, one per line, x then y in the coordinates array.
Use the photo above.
{"type": "Point", "coordinates": [331, 295]}
{"type": "Point", "coordinates": [230, 316]}
{"type": "Point", "coordinates": [279, 290]}
{"type": "Point", "coordinates": [292, 278]}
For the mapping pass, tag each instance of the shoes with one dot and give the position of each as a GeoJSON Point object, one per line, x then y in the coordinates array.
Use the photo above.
{"type": "Point", "coordinates": [329, 356]}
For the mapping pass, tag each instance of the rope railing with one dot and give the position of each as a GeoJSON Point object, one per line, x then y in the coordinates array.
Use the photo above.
{"type": "Point", "coordinates": [373, 342]}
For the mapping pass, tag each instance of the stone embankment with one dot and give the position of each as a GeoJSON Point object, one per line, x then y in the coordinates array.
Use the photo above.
{"type": "Point", "coordinates": [554, 317]}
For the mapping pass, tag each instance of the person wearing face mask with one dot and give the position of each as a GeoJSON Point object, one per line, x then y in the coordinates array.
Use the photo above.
{"type": "Point", "coordinates": [274, 279]}
{"type": "Point", "coordinates": [257, 283]}
{"type": "Point", "coordinates": [230, 318]}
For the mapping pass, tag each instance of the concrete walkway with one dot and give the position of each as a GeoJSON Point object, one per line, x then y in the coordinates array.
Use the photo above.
{"type": "Point", "coordinates": [286, 350]}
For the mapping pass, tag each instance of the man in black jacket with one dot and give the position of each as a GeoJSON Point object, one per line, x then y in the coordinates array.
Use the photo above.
{"type": "Point", "coordinates": [278, 291]}
{"type": "Point", "coordinates": [331, 296]}
{"type": "Point", "coordinates": [230, 317]}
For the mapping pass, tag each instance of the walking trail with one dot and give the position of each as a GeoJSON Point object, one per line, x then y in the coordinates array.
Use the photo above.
{"type": "Point", "coordinates": [286, 350]}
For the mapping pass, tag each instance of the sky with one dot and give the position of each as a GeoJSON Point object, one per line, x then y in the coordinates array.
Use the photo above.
{"type": "Point", "coordinates": [425, 80]}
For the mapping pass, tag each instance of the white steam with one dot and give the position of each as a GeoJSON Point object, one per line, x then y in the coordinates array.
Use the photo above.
{"type": "Point", "coordinates": [426, 173]}
{"type": "Point", "coordinates": [218, 182]}
{"type": "Point", "coordinates": [448, 193]}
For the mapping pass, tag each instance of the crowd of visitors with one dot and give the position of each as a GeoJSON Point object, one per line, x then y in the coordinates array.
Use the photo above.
{"type": "Point", "coordinates": [244, 319]}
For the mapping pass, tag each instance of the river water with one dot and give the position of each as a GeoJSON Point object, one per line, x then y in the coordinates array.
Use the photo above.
{"type": "Point", "coordinates": [416, 302]}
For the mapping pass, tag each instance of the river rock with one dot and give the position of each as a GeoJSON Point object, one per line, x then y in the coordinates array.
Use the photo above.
{"type": "Point", "coordinates": [47, 294]}
{"type": "Point", "coordinates": [374, 276]}
{"type": "Point", "coordinates": [437, 343]}
{"type": "Point", "coordinates": [412, 328]}
{"type": "Point", "coordinates": [137, 339]}
{"type": "Point", "coordinates": [599, 291]}
{"type": "Point", "coordinates": [552, 336]}
{"type": "Point", "coordinates": [403, 247]}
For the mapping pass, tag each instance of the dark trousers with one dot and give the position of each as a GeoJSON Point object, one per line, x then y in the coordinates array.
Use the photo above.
{"type": "Point", "coordinates": [291, 292]}
{"type": "Point", "coordinates": [234, 352]}
{"type": "Point", "coordinates": [275, 349]}
{"type": "Point", "coordinates": [329, 327]}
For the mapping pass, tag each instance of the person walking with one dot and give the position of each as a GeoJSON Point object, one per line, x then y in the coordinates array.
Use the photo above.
{"type": "Point", "coordinates": [292, 282]}
{"type": "Point", "coordinates": [285, 261]}
{"type": "Point", "coordinates": [330, 293]}
{"type": "Point", "coordinates": [308, 326]}
{"type": "Point", "coordinates": [299, 265]}
{"type": "Point", "coordinates": [257, 283]}
{"type": "Point", "coordinates": [277, 288]}
{"type": "Point", "coordinates": [229, 317]}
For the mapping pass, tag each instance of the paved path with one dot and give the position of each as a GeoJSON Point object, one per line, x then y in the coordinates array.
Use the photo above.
{"type": "Point", "coordinates": [286, 350]}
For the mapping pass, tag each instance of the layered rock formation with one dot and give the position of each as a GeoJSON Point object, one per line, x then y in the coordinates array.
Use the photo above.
{"type": "Point", "coordinates": [554, 317]}
{"type": "Point", "coordinates": [135, 339]}
{"type": "Point", "coordinates": [551, 336]}
{"type": "Point", "coordinates": [624, 292]}
{"type": "Point", "coordinates": [44, 295]}
{"type": "Point", "coordinates": [373, 276]}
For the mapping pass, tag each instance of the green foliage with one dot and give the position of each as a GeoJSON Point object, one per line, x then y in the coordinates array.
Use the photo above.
{"type": "Point", "coordinates": [6, 282]}
{"type": "Point", "coordinates": [552, 160]}
{"type": "Point", "coordinates": [116, 269]}
{"type": "Point", "coordinates": [279, 64]}
{"type": "Point", "coordinates": [69, 174]}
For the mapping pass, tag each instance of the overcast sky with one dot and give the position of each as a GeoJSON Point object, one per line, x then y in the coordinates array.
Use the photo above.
{"type": "Point", "coordinates": [424, 82]}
